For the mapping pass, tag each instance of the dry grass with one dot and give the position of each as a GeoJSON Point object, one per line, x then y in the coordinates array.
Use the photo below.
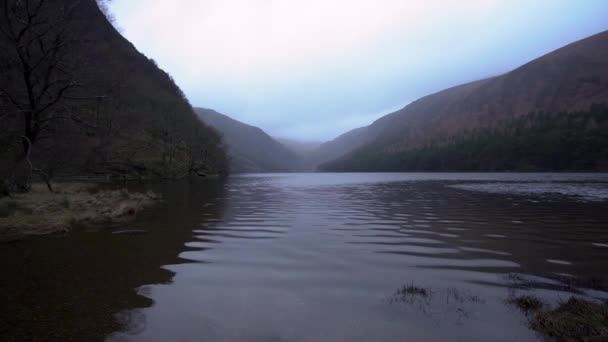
{"type": "Point", "coordinates": [42, 212]}
{"type": "Point", "coordinates": [575, 320]}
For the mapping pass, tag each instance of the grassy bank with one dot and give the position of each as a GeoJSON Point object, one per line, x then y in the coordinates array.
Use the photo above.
{"type": "Point", "coordinates": [576, 319]}
{"type": "Point", "coordinates": [40, 211]}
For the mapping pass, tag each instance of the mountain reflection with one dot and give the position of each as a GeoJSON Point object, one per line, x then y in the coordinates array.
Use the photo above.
{"type": "Point", "coordinates": [71, 288]}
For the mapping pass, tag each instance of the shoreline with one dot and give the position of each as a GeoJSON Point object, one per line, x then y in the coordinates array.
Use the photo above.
{"type": "Point", "coordinates": [41, 212]}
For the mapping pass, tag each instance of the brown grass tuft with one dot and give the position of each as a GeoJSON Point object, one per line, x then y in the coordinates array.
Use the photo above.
{"type": "Point", "coordinates": [575, 320]}
{"type": "Point", "coordinates": [42, 212]}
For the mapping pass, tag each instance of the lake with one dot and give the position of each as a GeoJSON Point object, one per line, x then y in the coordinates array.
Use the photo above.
{"type": "Point", "coordinates": [318, 257]}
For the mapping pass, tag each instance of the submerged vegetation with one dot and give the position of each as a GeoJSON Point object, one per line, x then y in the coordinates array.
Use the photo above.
{"type": "Point", "coordinates": [577, 319]}
{"type": "Point", "coordinates": [450, 304]}
{"type": "Point", "coordinates": [540, 141]}
{"type": "Point", "coordinates": [526, 303]}
{"type": "Point", "coordinates": [412, 290]}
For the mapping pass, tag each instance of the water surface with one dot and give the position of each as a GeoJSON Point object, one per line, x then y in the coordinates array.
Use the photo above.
{"type": "Point", "coordinates": [320, 257]}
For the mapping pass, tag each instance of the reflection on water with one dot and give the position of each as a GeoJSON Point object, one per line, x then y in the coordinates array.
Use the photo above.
{"type": "Point", "coordinates": [320, 257]}
{"type": "Point", "coordinates": [70, 288]}
{"type": "Point", "coordinates": [584, 191]}
{"type": "Point", "coordinates": [317, 258]}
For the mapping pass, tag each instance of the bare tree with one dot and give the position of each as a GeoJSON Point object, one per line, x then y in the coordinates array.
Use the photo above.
{"type": "Point", "coordinates": [35, 33]}
{"type": "Point", "coordinates": [36, 65]}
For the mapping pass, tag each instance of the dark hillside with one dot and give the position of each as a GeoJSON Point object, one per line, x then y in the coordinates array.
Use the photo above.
{"type": "Point", "coordinates": [569, 141]}
{"type": "Point", "coordinates": [250, 148]}
{"type": "Point", "coordinates": [100, 107]}
{"type": "Point", "coordinates": [569, 79]}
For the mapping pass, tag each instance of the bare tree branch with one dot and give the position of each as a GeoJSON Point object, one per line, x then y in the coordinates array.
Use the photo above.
{"type": "Point", "coordinates": [7, 95]}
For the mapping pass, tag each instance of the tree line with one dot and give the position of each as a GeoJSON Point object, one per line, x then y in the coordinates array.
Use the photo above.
{"type": "Point", "coordinates": [539, 141]}
{"type": "Point", "coordinates": [77, 99]}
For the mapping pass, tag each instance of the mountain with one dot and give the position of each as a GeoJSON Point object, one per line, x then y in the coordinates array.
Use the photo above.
{"type": "Point", "coordinates": [300, 148]}
{"type": "Point", "coordinates": [337, 147]}
{"type": "Point", "coordinates": [343, 144]}
{"type": "Point", "coordinates": [570, 79]}
{"type": "Point", "coordinates": [250, 149]}
{"type": "Point", "coordinates": [90, 102]}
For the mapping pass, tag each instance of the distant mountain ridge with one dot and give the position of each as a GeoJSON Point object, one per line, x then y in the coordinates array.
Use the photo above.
{"type": "Point", "coordinates": [299, 147]}
{"type": "Point", "coordinates": [339, 146]}
{"type": "Point", "coordinates": [571, 78]}
{"type": "Point", "coordinates": [250, 149]}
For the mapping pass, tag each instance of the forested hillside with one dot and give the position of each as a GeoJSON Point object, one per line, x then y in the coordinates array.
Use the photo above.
{"type": "Point", "coordinates": [250, 149]}
{"type": "Point", "coordinates": [337, 147]}
{"type": "Point", "coordinates": [301, 148]}
{"type": "Point", "coordinates": [569, 79]}
{"type": "Point", "coordinates": [76, 98]}
{"type": "Point", "coordinates": [576, 141]}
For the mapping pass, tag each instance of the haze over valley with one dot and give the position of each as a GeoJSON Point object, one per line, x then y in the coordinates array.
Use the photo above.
{"type": "Point", "coordinates": [571, 79]}
{"type": "Point", "coordinates": [303, 171]}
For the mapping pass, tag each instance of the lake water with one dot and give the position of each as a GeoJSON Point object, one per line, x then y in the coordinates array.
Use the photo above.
{"type": "Point", "coordinates": [318, 257]}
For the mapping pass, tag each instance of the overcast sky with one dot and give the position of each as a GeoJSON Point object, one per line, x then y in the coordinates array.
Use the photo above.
{"type": "Point", "coordinates": [313, 69]}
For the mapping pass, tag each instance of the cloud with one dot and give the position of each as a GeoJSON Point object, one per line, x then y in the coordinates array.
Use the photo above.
{"type": "Point", "coordinates": [290, 66]}
{"type": "Point", "coordinates": [243, 39]}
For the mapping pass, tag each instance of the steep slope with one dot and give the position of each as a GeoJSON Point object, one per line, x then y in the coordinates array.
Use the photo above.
{"type": "Point", "coordinates": [250, 148]}
{"type": "Point", "coordinates": [338, 147]}
{"type": "Point", "coordinates": [571, 78]}
{"type": "Point", "coordinates": [119, 114]}
{"type": "Point", "coordinates": [299, 147]}
{"type": "Point", "coordinates": [345, 143]}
